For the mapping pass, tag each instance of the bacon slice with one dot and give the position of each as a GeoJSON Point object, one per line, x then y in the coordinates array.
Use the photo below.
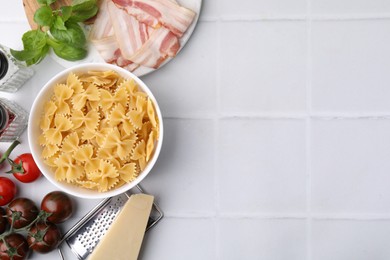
{"type": "Point", "coordinates": [130, 33]}
{"type": "Point", "coordinates": [102, 26]}
{"type": "Point", "coordinates": [103, 37]}
{"type": "Point", "coordinates": [157, 13]}
{"type": "Point", "coordinates": [161, 44]}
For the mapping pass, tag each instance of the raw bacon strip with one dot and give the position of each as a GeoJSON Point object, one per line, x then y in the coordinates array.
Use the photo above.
{"type": "Point", "coordinates": [161, 44]}
{"type": "Point", "coordinates": [159, 12]}
{"type": "Point", "coordinates": [103, 37]}
{"type": "Point", "coordinates": [130, 33]}
{"type": "Point", "coordinates": [102, 26]}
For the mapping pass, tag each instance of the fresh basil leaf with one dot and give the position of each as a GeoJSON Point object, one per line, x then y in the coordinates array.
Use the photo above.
{"type": "Point", "coordinates": [83, 5]}
{"type": "Point", "coordinates": [46, 2]}
{"type": "Point", "coordinates": [34, 40]}
{"type": "Point", "coordinates": [59, 23]}
{"type": "Point", "coordinates": [66, 12]}
{"type": "Point", "coordinates": [84, 15]}
{"type": "Point", "coordinates": [44, 16]}
{"type": "Point", "coordinates": [74, 35]}
{"type": "Point", "coordinates": [68, 52]}
{"type": "Point", "coordinates": [25, 55]}
{"type": "Point", "coordinates": [37, 59]}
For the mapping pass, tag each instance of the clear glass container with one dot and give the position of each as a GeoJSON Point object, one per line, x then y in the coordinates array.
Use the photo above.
{"type": "Point", "coordinates": [13, 120]}
{"type": "Point", "coordinates": [13, 74]}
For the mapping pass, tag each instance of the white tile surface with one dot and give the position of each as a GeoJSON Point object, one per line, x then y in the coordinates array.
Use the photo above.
{"type": "Point", "coordinates": [349, 66]}
{"type": "Point", "coordinates": [191, 239]}
{"type": "Point", "coordinates": [184, 172]}
{"type": "Point", "coordinates": [350, 166]}
{"type": "Point", "coordinates": [188, 88]}
{"type": "Point", "coordinates": [350, 6]}
{"type": "Point", "coordinates": [263, 239]}
{"type": "Point", "coordinates": [358, 240]}
{"type": "Point", "coordinates": [262, 63]}
{"type": "Point", "coordinates": [263, 162]}
{"type": "Point", "coordinates": [209, 10]}
{"type": "Point", "coordinates": [11, 11]}
{"type": "Point", "coordinates": [262, 7]}
{"type": "Point", "coordinates": [277, 123]}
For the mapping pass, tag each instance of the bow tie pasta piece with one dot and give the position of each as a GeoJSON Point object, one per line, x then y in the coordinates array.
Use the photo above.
{"type": "Point", "coordinates": [118, 116]}
{"type": "Point", "coordinates": [128, 172]}
{"type": "Point", "coordinates": [61, 124]}
{"type": "Point", "coordinates": [106, 153]}
{"type": "Point", "coordinates": [62, 93]}
{"type": "Point", "coordinates": [90, 120]}
{"type": "Point", "coordinates": [150, 144]}
{"type": "Point", "coordinates": [70, 143]}
{"type": "Point", "coordinates": [74, 83]}
{"type": "Point", "coordinates": [84, 153]}
{"type": "Point", "coordinates": [130, 85]}
{"type": "Point", "coordinates": [49, 111]}
{"type": "Point", "coordinates": [122, 145]}
{"type": "Point", "coordinates": [106, 79]}
{"type": "Point", "coordinates": [68, 169]}
{"type": "Point", "coordinates": [106, 176]}
{"type": "Point", "coordinates": [151, 113]}
{"type": "Point", "coordinates": [50, 150]}
{"type": "Point", "coordinates": [98, 130]}
{"type": "Point", "coordinates": [107, 100]}
{"type": "Point", "coordinates": [135, 118]}
{"type": "Point", "coordinates": [79, 100]}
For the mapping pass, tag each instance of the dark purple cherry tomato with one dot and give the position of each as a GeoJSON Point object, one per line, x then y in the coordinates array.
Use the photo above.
{"type": "Point", "coordinates": [14, 248]}
{"type": "Point", "coordinates": [44, 237]}
{"type": "Point", "coordinates": [59, 205]}
{"type": "Point", "coordinates": [23, 210]}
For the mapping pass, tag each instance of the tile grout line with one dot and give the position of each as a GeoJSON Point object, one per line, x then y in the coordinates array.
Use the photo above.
{"type": "Point", "coordinates": [216, 141]}
{"type": "Point", "coordinates": [308, 131]}
{"type": "Point", "coordinates": [279, 216]}
{"type": "Point", "coordinates": [288, 116]}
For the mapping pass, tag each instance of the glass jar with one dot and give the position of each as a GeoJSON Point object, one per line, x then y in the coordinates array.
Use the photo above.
{"type": "Point", "coordinates": [13, 74]}
{"type": "Point", "coordinates": [13, 120]}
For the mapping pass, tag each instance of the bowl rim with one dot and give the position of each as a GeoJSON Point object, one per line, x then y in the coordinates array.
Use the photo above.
{"type": "Point", "coordinates": [37, 104]}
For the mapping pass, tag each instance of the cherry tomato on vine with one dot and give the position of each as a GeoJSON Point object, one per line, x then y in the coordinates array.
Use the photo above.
{"type": "Point", "coordinates": [59, 205]}
{"type": "Point", "coordinates": [14, 247]}
{"type": "Point", "coordinates": [43, 237]}
{"type": "Point", "coordinates": [24, 168]}
{"type": "Point", "coordinates": [7, 190]}
{"type": "Point", "coordinates": [23, 211]}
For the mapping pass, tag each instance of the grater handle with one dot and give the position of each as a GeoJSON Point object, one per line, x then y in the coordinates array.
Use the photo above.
{"type": "Point", "coordinates": [160, 212]}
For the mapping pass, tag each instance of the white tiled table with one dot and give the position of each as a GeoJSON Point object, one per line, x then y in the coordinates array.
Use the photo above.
{"type": "Point", "coordinates": [277, 145]}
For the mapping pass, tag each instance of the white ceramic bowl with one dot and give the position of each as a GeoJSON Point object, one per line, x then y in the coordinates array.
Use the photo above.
{"type": "Point", "coordinates": [34, 131]}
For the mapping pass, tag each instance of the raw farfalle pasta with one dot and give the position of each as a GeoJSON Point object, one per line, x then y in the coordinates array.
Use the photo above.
{"type": "Point", "coordinates": [98, 130]}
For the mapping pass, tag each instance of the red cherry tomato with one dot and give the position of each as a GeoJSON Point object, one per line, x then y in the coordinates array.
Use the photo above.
{"type": "Point", "coordinates": [7, 190]}
{"type": "Point", "coordinates": [25, 169]}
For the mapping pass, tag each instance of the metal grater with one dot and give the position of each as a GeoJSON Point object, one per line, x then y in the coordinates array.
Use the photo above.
{"type": "Point", "coordinates": [86, 233]}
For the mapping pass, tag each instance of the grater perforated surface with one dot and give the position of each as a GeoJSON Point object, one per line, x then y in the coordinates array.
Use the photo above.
{"type": "Point", "coordinates": [86, 234]}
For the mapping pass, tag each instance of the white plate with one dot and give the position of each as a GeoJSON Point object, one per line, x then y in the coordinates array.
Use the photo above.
{"type": "Point", "coordinates": [94, 57]}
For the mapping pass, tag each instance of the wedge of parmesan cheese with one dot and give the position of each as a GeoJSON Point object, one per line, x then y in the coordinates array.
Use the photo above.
{"type": "Point", "coordinates": [124, 237]}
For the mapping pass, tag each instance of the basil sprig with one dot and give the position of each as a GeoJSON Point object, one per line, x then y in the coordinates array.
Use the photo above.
{"type": "Point", "coordinates": [58, 29]}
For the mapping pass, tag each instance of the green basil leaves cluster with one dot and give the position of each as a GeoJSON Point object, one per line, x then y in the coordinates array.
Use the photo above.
{"type": "Point", "coordinates": [58, 29]}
